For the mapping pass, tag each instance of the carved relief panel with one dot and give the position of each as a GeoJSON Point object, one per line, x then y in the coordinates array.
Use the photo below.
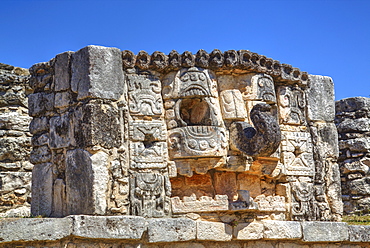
{"type": "Point", "coordinates": [144, 94]}
{"type": "Point", "coordinates": [292, 103]}
{"type": "Point", "coordinates": [193, 115]}
{"type": "Point", "coordinates": [296, 153]}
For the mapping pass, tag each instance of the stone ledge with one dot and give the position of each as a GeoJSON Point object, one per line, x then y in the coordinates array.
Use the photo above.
{"type": "Point", "coordinates": [359, 233]}
{"type": "Point", "coordinates": [166, 230]}
{"type": "Point", "coordinates": [34, 229]}
{"type": "Point", "coordinates": [317, 231]}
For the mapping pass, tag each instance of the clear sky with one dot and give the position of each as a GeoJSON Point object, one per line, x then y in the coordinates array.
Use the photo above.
{"type": "Point", "coordinates": [324, 37]}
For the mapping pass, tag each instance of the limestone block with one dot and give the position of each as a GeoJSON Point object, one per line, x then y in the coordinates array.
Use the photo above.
{"type": "Point", "coordinates": [62, 99]}
{"type": "Point", "coordinates": [86, 182]}
{"type": "Point", "coordinates": [40, 102]}
{"type": "Point", "coordinates": [225, 184]}
{"type": "Point", "coordinates": [320, 98]}
{"type": "Point", "coordinates": [41, 154]}
{"type": "Point", "coordinates": [232, 105]}
{"type": "Point", "coordinates": [325, 139]}
{"type": "Point", "coordinates": [352, 104]}
{"type": "Point", "coordinates": [40, 140]}
{"type": "Point", "coordinates": [14, 148]}
{"type": "Point", "coordinates": [59, 198]}
{"type": "Point", "coordinates": [108, 227]}
{"type": "Point", "coordinates": [355, 145]}
{"type": "Point", "coordinates": [204, 204]}
{"type": "Point", "coordinates": [11, 181]}
{"type": "Point", "coordinates": [183, 245]}
{"type": "Point", "coordinates": [350, 166]}
{"type": "Point", "coordinates": [34, 229]}
{"type": "Point", "coordinates": [282, 229]}
{"type": "Point", "coordinates": [14, 121]}
{"type": "Point", "coordinates": [252, 183]}
{"type": "Point", "coordinates": [96, 124]}
{"type": "Point", "coordinates": [97, 72]}
{"type": "Point", "coordinates": [354, 125]}
{"type": "Point", "coordinates": [360, 186]}
{"type": "Point", "coordinates": [317, 231]}
{"type": "Point", "coordinates": [217, 231]}
{"type": "Point", "coordinates": [359, 233]}
{"type": "Point", "coordinates": [61, 131]}
{"type": "Point", "coordinates": [20, 212]}
{"type": "Point", "coordinates": [39, 124]}
{"type": "Point", "coordinates": [62, 71]}
{"type": "Point", "coordinates": [171, 230]}
{"type": "Point", "coordinates": [99, 163]}
{"type": "Point", "coordinates": [249, 231]}
{"type": "Point", "coordinates": [42, 189]}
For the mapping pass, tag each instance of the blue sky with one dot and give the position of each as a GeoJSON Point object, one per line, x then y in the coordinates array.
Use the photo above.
{"type": "Point", "coordinates": [324, 37]}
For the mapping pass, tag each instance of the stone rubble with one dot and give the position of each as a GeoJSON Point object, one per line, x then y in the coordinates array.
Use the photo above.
{"type": "Point", "coordinates": [15, 142]}
{"type": "Point", "coordinates": [353, 124]}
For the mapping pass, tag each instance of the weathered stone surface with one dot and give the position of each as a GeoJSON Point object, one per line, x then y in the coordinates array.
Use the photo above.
{"type": "Point", "coordinates": [40, 102]}
{"type": "Point", "coordinates": [96, 124]}
{"type": "Point", "coordinates": [14, 121]}
{"type": "Point", "coordinates": [62, 99]}
{"type": "Point", "coordinates": [171, 230]}
{"type": "Point", "coordinates": [352, 104]}
{"type": "Point", "coordinates": [39, 124]}
{"type": "Point", "coordinates": [215, 231]}
{"type": "Point", "coordinates": [42, 190]}
{"type": "Point", "coordinates": [324, 231]}
{"type": "Point", "coordinates": [35, 229]}
{"type": "Point", "coordinates": [249, 231]}
{"type": "Point", "coordinates": [320, 98]}
{"type": "Point", "coordinates": [356, 145]}
{"type": "Point", "coordinates": [282, 229]}
{"type": "Point", "coordinates": [354, 125]}
{"type": "Point", "coordinates": [97, 72]}
{"type": "Point", "coordinates": [110, 227]}
{"type": "Point", "coordinates": [61, 131]}
{"type": "Point", "coordinates": [359, 233]}
{"type": "Point", "coordinates": [79, 182]}
{"type": "Point", "coordinates": [119, 126]}
{"type": "Point", "coordinates": [62, 71]}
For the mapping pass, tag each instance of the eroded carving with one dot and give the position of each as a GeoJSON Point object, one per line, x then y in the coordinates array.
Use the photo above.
{"type": "Point", "coordinates": [144, 93]}
{"type": "Point", "coordinates": [261, 140]}
{"type": "Point", "coordinates": [150, 194]}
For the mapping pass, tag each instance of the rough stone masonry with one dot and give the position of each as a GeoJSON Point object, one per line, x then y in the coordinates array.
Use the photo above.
{"type": "Point", "coordinates": [15, 142]}
{"type": "Point", "coordinates": [230, 137]}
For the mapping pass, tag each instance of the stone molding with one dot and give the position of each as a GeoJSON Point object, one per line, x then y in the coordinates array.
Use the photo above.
{"type": "Point", "coordinates": [167, 230]}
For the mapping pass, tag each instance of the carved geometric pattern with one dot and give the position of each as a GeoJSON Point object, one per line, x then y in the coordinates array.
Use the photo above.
{"type": "Point", "coordinates": [296, 153]}
{"type": "Point", "coordinates": [144, 94]}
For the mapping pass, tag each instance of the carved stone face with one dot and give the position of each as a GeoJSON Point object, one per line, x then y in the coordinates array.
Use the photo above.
{"type": "Point", "coordinates": [196, 127]}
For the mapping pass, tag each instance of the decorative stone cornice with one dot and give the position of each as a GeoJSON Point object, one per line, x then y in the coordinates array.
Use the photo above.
{"type": "Point", "coordinates": [231, 61]}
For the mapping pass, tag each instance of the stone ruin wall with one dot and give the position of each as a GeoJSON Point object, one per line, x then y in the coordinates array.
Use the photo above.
{"type": "Point", "coordinates": [15, 142]}
{"type": "Point", "coordinates": [231, 136]}
{"type": "Point", "coordinates": [353, 123]}
{"type": "Point", "coordinates": [119, 134]}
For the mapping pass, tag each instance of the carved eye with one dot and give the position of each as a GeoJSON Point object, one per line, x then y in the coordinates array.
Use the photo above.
{"type": "Point", "coordinates": [202, 77]}
{"type": "Point", "coordinates": [260, 83]}
{"type": "Point", "coordinates": [185, 78]}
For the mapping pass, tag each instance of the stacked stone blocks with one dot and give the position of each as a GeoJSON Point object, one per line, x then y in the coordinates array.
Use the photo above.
{"type": "Point", "coordinates": [222, 136]}
{"type": "Point", "coordinates": [15, 142]}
